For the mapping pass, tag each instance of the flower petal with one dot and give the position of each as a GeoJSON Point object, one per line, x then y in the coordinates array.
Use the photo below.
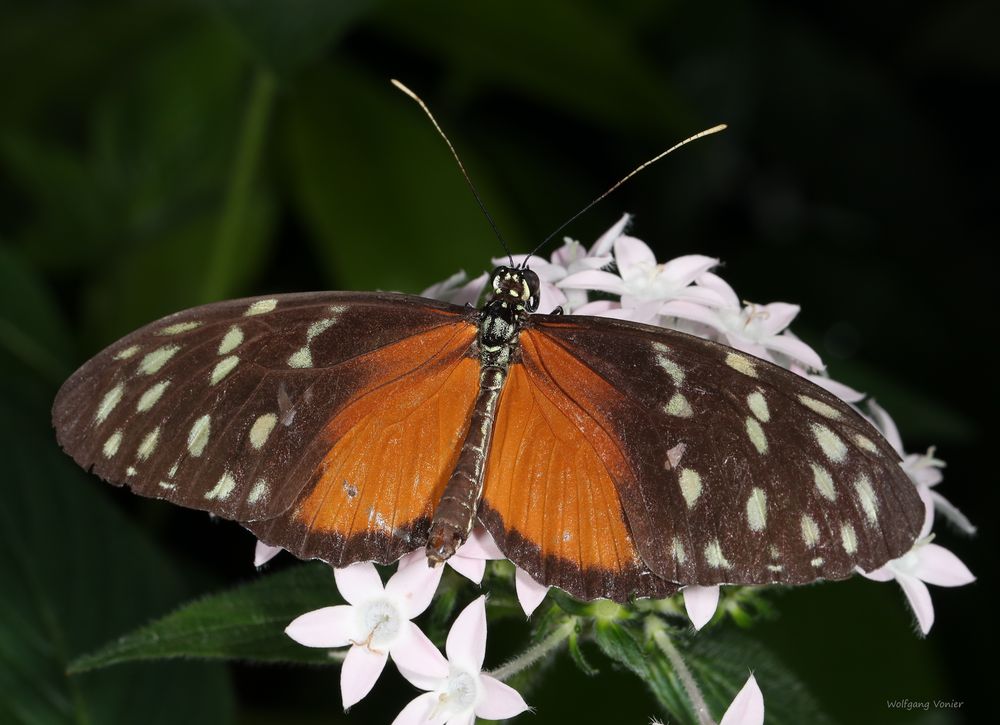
{"type": "Point", "coordinates": [471, 569]}
{"type": "Point", "coordinates": [776, 316]}
{"type": "Point", "coordinates": [466, 644]}
{"type": "Point", "coordinates": [326, 627]}
{"type": "Point", "coordinates": [686, 269]}
{"type": "Point", "coordinates": [950, 512]}
{"type": "Point", "coordinates": [747, 708]}
{"type": "Point", "coordinates": [499, 701]}
{"type": "Point", "coordinates": [480, 545]}
{"type": "Point", "coordinates": [529, 592]}
{"type": "Point", "coordinates": [597, 308]}
{"type": "Point", "coordinates": [549, 297]}
{"type": "Point", "coordinates": [462, 718]}
{"type": "Point", "coordinates": [844, 392]}
{"type": "Point", "coordinates": [594, 279]}
{"type": "Point", "coordinates": [882, 574]}
{"type": "Point", "coordinates": [701, 603]}
{"type": "Point", "coordinates": [693, 311]}
{"type": "Point", "coordinates": [359, 673]}
{"type": "Point", "coordinates": [631, 252]}
{"type": "Point", "coordinates": [359, 582]}
{"type": "Point", "coordinates": [920, 600]}
{"type": "Point", "coordinates": [414, 583]}
{"type": "Point", "coordinates": [928, 501]}
{"type": "Point", "coordinates": [264, 553]}
{"type": "Point", "coordinates": [886, 424]}
{"type": "Point", "coordinates": [419, 711]}
{"type": "Point", "coordinates": [418, 660]}
{"type": "Point", "coordinates": [936, 565]}
{"type": "Point", "coordinates": [606, 241]}
{"type": "Point", "coordinates": [796, 349]}
{"type": "Point", "coordinates": [721, 288]}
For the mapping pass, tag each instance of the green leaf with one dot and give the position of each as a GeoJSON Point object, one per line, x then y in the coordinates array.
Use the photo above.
{"type": "Point", "coordinates": [245, 623]}
{"type": "Point", "coordinates": [289, 34]}
{"type": "Point", "coordinates": [74, 574]}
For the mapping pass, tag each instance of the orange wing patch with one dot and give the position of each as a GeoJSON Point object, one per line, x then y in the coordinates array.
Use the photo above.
{"type": "Point", "coordinates": [393, 448]}
{"type": "Point", "coordinates": [549, 499]}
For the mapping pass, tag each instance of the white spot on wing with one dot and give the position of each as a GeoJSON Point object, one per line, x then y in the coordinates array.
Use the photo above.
{"type": "Point", "coordinates": [260, 307]}
{"type": "Point", "coordinates": [690, 482]}
{"type": "Point", "coordinates": [152, 394]}
{"type": "Point", "coordinates": [148, 444]}
{"type": "Point", "coordinates": [848, 539]}
{"type": "Point", "coordinates": [301, 358]}
{"type": "Point", "coordinates": [830, 442]}
{"type": "Point", "coordinates": [261, 429]}
{"type": "Point", "coordinates": [199, 434]}
{"type": "Point", "coordinates": [756, 434]}
{"type": "Point", "coordinates": [810, 531]}
{"type": "Point", "coordinates": [866, 443]}
{"type": "Point", "coordinates": [127, 352]}
{"type": "Point", "coordinates": [757, 510]}
{"type": "Point", "coordinates": [155, 360]}
{"type": "Point", "coordinates": [258, 491]}
{"type": "Point", "coordinates": [818, 406]}
{"type": "Point", "coordinates": [179, 327]}
{"type": "Point", "coordinates": [223, 488]}
{"type": "Point", "coordinates": [672, 369]}
{"type": "Point", "coordinates": [679, 407]}
{"type": "Point", "coordinates": [824, 482]}
{"type": "Point", "coordinates": [714, 556]}
{"type": "Point", "coordinates": [108, 402]}
{"type": "Point", "coordinates": [231, 340]}
{"type": "Point", "coordinates": [817, 562]}
{"type": "Point", "coordinates": [112, 443]}
{"type": "Point", "coordinates": [319, 327]}
{"type": "Point", "coordinates": [678, 551]}
{"type": "Point", "coordinates": [866, 496]}
{"type": "Point", "coordinates": [741, 364]}
{"type": "Point", "coordinates": [223, 368]}
{"type": "Point", "coordinates": [758, 406]}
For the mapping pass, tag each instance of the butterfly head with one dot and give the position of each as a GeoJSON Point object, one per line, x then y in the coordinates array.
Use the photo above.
{"type": "Point", "coordinates": [517, 285]}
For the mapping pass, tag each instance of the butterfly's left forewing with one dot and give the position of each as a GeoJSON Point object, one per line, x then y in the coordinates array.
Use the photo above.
{"type": "Point", "coordinates": [728, 469]}
{"type": "Point", "coordinates": [325, 422]}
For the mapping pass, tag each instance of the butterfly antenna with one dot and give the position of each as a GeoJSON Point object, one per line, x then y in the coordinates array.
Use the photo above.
{"type": "Point", "coordinates": [458, 161]}
{"type": "Point", "coordinates": [706, 132]}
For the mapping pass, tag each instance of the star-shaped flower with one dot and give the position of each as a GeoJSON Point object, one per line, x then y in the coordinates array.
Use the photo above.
{"type": "Point", "coordinates": [375, 623]}
{"type": "Point", "coordinates": [457, 690]}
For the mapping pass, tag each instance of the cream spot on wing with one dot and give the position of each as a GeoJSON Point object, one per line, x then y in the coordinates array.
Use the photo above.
{"type": "Point", "coordinates": [260, 307]}
{"type": "Point", "coordinates": [155, 360]}
{"type": "Point", "coordinates": [223, 368]}
{"type": "Point", "coordinates": [775, 567]}
{"type": "Point", "coordinates": [773, 551]}
{"type": "Point", "coordinates": [678, 551]}
{"type": "Point", "coordinates": [848, 539]}
{"type": "Point", "coordinates": [810, 531]}
{"type": "Point", "coordinates": [319, 327]}
{"type": "Point", "coordinates": [866, 443]}
{"type": "Point", "coordinates": [167, 486]}
{"type": "Point", "coordinates": [231, 340]}
{"type": "Point", "coordinates": [173, 470]}
{"type": "Point", "coordinates": [112, 443]}
{"type": "Point", "coordinates": [130, 471]}
{"type": "Point", "coordinates": [824, 482]}
{"type": "Point", "coordinates": [757, 510]}
{"type": "Point", "coordinates": [148, 444]}
{"type": "Point", "coordinates": [672, 369]}
{"type": "Point", "coordinates": [867, 499]}
{"type": "Point", "coordinates": [179, 327]}
{"type": "Point", "coordinates": [818, 406]}
{"type": "Point", "coordinates": [127, 352]}
{"type": "Point", "coordinates": [830, 442]}
{"type": "Point", "coordinates": [152, 394]}
{"type": "Point", "coordinates": [301, 358]}
{"type": "Point", "coordinates": [223, 488]}
{"type": "Point", "coordinates": [756, 434]}
{"type": "Point", "coordinates": [679, 407]}
{"type": "Point", "coordinates": [108, 402]}
{"type": "Point", "coordinates": [261, 429]}
{"type": "Point", "coordinates": [714, 556]}
{"type": "Point", "coordinates": [758, 406]}
{"type": "Point", "coordinates": [199, 434]}
{"type": "Point", "coordinates": [741, 364]}
{"type": "Point", "coordinates": [817, 562]}
{"type": "Point", "coordinates": [258, 491]}
{"type": "Point", "coordinates": [690, 486]}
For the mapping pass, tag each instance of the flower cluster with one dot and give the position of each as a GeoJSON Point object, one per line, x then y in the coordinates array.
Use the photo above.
{"type": "Point", "coordinates": [618, 276]}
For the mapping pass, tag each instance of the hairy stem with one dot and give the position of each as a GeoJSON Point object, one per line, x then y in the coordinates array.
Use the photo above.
{"type": "Point", "coordinates": [536, 652]}
{"type": "Point", "coordinates": [662, 640]}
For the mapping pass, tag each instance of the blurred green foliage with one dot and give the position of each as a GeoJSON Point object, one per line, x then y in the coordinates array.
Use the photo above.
{"type": "Point", "coordinates": [155, 155]}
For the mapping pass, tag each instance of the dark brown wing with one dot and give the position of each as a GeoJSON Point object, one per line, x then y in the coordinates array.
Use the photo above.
{"type": "Point", "coordinates": [245, 408]}
{"type": "Point", "coordinates": [728, 469]}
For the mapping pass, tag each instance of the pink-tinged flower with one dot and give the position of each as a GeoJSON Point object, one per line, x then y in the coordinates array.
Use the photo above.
{"type": "Point", "coordinates": [700, 603]}
{"type": "Point", "coordinates": [924, 469]}
{"type": "Point", "coordinates": [457, 690]}
{"type": "Point", "coordinates": [470, 559]}
{"type": "Point", "coordinates": [757, 329]}
{"type": "Point", "coordinates": [529, 592]}
{"type": "Point", "coordinates": [842, 391]}
{"type": "Point", "coordinates": [264, 553]}
{"type": "Point", "coordinates": [641, 279]}
{"type": "Point", "coordinates": [375, 623]}
{"type": "Point", "coordinates": [925, 562]}
{"type": "Point", "coordinates": [458, 289]}
{"type": "Point", "coordinates": [747, 708]}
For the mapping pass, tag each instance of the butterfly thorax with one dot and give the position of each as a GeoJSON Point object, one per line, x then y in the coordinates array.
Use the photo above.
{"type": "Point", "coordinates": [514, 296]}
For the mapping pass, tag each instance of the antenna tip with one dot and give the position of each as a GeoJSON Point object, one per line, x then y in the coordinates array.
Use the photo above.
{"type": "Point", "coordinates": [403, 88]}
{"type": "Point", "coordinates": [716, 129]}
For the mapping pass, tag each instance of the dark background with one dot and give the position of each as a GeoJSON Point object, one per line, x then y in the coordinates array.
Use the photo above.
{"type": "Point", "coordinates": [156, 155]}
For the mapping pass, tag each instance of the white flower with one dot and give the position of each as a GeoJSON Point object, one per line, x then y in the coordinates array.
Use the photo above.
{"type": "Point", "coordinates": [747, 708]}
{"type": "Point", "coordinates": [457, 290]}
{"type": "Point", "coordinates": [700, 603]}
{"type": "Point", "coordinates": [457, 690]}
{"type": "Point", "coordinates": [264, 553]}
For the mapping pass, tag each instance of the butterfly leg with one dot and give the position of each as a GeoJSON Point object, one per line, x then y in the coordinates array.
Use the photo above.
{"type": "Point", "coordinates": [455, 514]}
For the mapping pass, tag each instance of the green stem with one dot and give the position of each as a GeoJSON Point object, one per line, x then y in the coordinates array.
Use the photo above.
{"type": "Point", "coordinates": [536, 652]}
{"type": "Point", "coordinates": [663, 641]}
{"type": "Point", "coordinates": [218, 282]}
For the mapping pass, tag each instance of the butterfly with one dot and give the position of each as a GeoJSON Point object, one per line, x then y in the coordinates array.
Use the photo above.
{"type": "Point", "coordinates": [605, 457]}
